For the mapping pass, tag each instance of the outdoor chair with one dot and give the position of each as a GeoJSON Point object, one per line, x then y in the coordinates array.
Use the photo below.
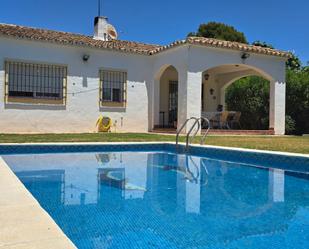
{"type": "Point", "coordinates": [215, 120]}
{"type": "Point", "coordinates": [235, 121]}
{"type": "Point", "coordinates": [221, 121]}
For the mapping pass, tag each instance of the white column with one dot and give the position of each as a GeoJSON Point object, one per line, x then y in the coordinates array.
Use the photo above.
{"type": "Point", "coordinates": [277, 107]}
{"type": "Point", "coordinates": [189, 96]}
{"type": "Point", "coordinates": [182, 98]}
{"type": "Point", "coordinates": [194, 94]}
{"type": "Point", "coordinates": [156, 103]}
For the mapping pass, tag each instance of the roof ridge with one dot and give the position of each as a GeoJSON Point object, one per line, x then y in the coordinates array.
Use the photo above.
{"type": "Point", "coordinates": [72, 33]}
{"type": "Point", "coordinates": [215, 40]}
{"type": "Point", "coordinates": [43, 29]}
{"type": "Point", "coordinates": [69, 38]}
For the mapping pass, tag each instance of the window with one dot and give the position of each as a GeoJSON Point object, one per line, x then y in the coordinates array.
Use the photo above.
{"type": "Point", "coordinates": [35, 83]}
{"type": "Point", "coordinates": [113, 88]}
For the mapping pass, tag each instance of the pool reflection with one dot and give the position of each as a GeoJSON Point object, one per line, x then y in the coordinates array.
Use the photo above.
{"type": "Point", "coordinates": [99, 198]}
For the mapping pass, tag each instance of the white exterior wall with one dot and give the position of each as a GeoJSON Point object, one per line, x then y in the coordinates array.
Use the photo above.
{"type": "Point", "coordinates": [211, 101]}
{"type": "Point", "coordinates": [143, 86]}
{"type": "Point", "coordinates": [82, 110]}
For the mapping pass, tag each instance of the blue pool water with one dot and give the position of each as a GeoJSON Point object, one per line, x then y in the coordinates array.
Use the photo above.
{"type": "Point", "coordinates": [159, 199]}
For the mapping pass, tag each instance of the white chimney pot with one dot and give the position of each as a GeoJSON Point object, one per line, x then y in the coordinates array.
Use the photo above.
{"type": "Point", "coordinates": [100, 28]}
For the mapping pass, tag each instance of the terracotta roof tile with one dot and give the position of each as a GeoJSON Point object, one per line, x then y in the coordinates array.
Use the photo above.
{"type": "Point", "coordinates": [202, 41]}
{"type": "Point", "coordinates": [237, 46]}
{"type": "Point", "coordinates": [65, 38]}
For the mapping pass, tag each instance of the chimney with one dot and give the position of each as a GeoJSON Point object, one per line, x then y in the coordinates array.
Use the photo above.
{"type": "Point", "coordinates": [101, 28]}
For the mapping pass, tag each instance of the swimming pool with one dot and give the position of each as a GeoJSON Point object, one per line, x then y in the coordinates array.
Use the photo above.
{"type": "Point", "coordinates": [150, 196]}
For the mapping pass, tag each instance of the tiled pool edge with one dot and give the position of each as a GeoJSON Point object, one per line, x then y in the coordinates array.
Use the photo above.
{"type": "Point", "coordinates": [24, 223]}
{"type": "Point", "coordinates": [269, 159]}
{"type": "Point", "coordinates": [282, 153]}
{"type": "Point", "coordinates": [272, 159]}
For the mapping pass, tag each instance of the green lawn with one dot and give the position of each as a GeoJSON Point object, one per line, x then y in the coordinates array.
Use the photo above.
{"type": "Point", "coordinates": [282, 143]}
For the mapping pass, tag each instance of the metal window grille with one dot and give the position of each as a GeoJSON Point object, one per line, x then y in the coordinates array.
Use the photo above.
{"type": "Point", "coordinates": [173, 102]}
{"type": "Point", "coordinates": [32, 80]}
{"type": "Point", "coordinates": [113, 86]}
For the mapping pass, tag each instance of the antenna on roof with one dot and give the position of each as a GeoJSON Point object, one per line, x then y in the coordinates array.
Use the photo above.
{"type": "Point", "coordinates": [99, 7]}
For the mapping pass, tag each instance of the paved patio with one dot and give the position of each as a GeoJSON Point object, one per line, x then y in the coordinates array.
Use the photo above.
{"type": "Point", "coordinates": [24, 223]}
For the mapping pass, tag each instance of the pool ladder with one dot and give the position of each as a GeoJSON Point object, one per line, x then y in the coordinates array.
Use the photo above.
{"type": "Point", "coordinates": [195, 128]}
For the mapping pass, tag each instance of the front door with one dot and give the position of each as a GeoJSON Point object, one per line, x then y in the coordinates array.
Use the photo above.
{"type": "Point", "coordinates": [173, 104]}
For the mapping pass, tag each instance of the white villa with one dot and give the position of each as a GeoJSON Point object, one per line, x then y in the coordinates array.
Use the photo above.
{"type": "Point", "coordinates": [59, 82]}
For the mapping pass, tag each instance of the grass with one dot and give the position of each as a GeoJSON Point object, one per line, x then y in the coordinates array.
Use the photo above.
{"type": "Point", "coordinates": [275, 143]}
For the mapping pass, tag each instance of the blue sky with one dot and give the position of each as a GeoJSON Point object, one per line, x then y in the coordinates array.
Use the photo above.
{"type": "Point", "coordinates": [283, 23]}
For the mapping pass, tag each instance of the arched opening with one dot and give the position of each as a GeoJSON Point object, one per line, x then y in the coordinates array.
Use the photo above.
{"type": "Point", "coordinates": [167, 98]}
{"type": "Point", "coordinates": [250, 97]}
{"type": "Point", "coordinates": [243, 105]}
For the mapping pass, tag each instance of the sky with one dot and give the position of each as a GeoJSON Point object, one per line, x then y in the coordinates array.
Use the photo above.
{"type": "Point", "coordinates": [282, 23]}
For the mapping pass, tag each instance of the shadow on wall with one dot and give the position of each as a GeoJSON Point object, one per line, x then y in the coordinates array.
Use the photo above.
{"type": "Point", "coordinates": [112, 109]}
{"type": "Point", "coordinates": [19, 106]}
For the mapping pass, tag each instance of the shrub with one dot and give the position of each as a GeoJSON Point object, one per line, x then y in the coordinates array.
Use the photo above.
{"type": "Point", "coordinates": [250, 96]}
{"type": "Point", "coordinates": [289, 125]}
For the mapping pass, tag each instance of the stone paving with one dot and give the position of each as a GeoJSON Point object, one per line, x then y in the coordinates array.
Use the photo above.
{"type": "Point", "coordinates": [24, 223]}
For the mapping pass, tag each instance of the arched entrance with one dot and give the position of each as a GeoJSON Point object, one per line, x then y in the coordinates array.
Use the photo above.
{"type": "Point", "coordinates": [167, 98]}
{"type": "Point", "coordinates": [215, 81]}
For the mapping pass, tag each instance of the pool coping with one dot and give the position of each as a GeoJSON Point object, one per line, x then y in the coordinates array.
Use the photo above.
{"type": "Point", "coordinates": [282, 153]}
{"type": "Point", "coordinates": [37, 229]}
{"type": "Point", "coordinates": [24, 223]}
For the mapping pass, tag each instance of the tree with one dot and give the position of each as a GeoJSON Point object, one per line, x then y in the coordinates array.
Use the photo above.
{"type": "Point", "coordinates": [219, 31]}
{"type": "Point", "coordinates": [292, 63]}
{"type": "Point", "coordinates": [297, 99]}
{"type": "Point", "coordinates": [250, 96]}
{"type": "Point", "coordinates": [262, 44]}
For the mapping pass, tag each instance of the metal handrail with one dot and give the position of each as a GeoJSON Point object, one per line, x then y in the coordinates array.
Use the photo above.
{"type": "Point", "coordinates": [181, 128]}
{"type": "Point", "coordinates": [207, 131]}
{"type": "Point", "coordinates": [196, 131]}
{"type": "Point", "coordinates": [191, 129]}
{"type": "Point", "coordinates": [197, 122]}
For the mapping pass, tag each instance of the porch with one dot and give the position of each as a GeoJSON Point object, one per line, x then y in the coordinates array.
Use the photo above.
{"type": "Point", "coordinates": [183, 92]}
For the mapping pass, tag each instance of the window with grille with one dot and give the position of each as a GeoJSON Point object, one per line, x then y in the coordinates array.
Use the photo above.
{"type": "Point", "coordinates": [28, 82]}
{"type": "Point", "coordinates": [113, 87]}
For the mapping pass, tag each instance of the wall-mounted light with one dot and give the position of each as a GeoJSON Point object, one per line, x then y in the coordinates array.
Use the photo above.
{"type": "Point", "coordinates": [86, 57]}
{"type": "Point", "coordinates": [211, 91]}
{"type": "Point", "coordinates": [206, 76]}
{"type": "Point", "coordinates": [245, 56]}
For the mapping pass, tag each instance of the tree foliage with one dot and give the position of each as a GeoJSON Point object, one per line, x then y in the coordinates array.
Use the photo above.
{"type": "Point", "coordinates": [294, 63]}
{"type": "Point", "coordinates": [219, 31]}
{"type": "Point", "coordinates": [262, 44]}
{"type": "Point", "coordinates": [297, 99]}
{"type": "Point", "coordinates": [250, 96]}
